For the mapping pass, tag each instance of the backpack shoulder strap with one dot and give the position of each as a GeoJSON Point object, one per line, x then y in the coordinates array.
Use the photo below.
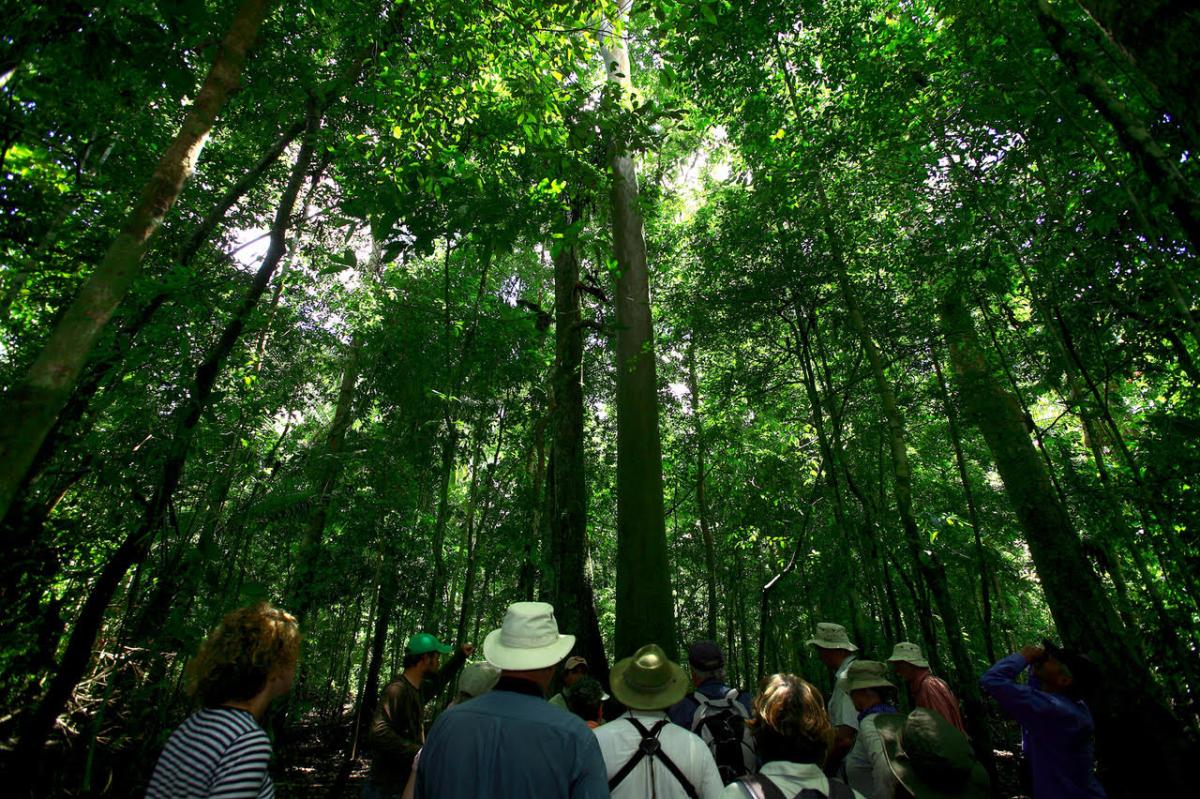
{"type": "Point", "coordinates": [684, 782]}
{"type": "Point", "coordinates": [651, 747]}
{"type": "Point", "coordinates": [701, 706]}
{"type": "Point", "coordinates": [638, 754]}
{"type": "Point", "coordinates": [759, 787]}
{"type": "Point", "coordinates": [736, 703]}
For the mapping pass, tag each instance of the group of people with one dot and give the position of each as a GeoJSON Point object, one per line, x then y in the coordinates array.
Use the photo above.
{"type": "Point", "coordinates": [673, 732]}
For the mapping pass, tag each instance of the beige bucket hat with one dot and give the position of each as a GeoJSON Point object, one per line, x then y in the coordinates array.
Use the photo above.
{"type": "Point", "coordinates": [832, 636]}
{"type": "Point", "coordinates": [478, 678]}
{"type": "Point", "coordinates": [905, 652]}
{"type": "Point", "coordinates": [528, 639]}
{"type": "Point", "coordinates": [648, 680]}
{"type": "Point", "coordinates": [865, 674]}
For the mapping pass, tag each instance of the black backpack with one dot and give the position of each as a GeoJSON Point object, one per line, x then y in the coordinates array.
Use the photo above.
{"type": "Point", "coordinates": [721, 724]}
{"type": "Point", "coordinates": [759, 787]}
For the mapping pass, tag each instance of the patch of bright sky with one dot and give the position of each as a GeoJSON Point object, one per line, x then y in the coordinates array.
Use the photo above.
{"type": "Point", "coordinates": [708, 163]}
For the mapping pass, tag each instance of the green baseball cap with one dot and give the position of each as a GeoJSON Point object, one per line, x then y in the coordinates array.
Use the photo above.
{"type": "Point", "coordinates": [421, 643]}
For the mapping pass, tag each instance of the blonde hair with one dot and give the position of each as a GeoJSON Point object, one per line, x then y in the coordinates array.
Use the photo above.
{"type": "Point", "coordinates": [790, 722]}
{"type": "Point", "coordinates": [242, 653]}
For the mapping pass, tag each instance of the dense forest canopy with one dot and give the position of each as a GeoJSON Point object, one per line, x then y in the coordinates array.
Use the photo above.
{"type": "Point", "coordinates": [695, 318]}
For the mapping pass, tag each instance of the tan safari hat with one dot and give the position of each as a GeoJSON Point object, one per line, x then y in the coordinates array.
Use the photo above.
{"type": "Point", "coordinates": [906, 652]}
{"type": "Point", "coordinates": [865, 674]}
{"type": "Point", "coordinates": [648, 680]}
{"type": "Point", "coordinates": [832, 636]}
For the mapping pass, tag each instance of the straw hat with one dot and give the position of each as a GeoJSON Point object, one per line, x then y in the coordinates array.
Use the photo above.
{"type": "Point", "coordinates": [930, 758]}
{"type": "Point", "coordinates": [528, 639]}
{"type": "Point", "coordinates": [832, 636]}
{"type": "Point", "coordinates": [865, 674]}
{"type": "Point", "coordinates": [905, 652]}
{"type": "Point", "coordinates": [648, 680]}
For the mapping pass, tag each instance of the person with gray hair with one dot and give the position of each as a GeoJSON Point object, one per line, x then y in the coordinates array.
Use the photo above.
{"type": "Point", "coordinates": [716, 712]}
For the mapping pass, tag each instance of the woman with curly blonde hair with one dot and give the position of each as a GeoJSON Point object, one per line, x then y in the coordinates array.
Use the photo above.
{"type": "Point", "coordinates": [792, 736]}
{"type": "Point", "coordinates": [220, 750]}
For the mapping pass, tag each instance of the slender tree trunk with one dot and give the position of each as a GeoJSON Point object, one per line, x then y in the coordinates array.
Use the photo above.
{"type": "Point", "coordinates": [1133, 724]}
{"type": "Point", "coordinates": [706, 534]}
{"type": "Point", "coordinates": [370, 690]}
{"type": "Point", "coordinates": [1135, 137]}
{"type": "Point", "coordinates": [472, 527]}
{"type": "Point", "coordinates": [739, 584]}
{"type": "Point", "coordinates": [31, 407]}
{"type": "Point", "coordinates": [455, 373]}
{"type": "Point", "coordinates": [77, 655]}
{"type": "Point", "coordinates": [574, 600]}
{"type": "Point", "coordinates": [328, 469]}
{"type": "Point", "coordinates": [924, 560]}
{"type": "Point", "coordinates": [830, 458]}
{"type": "Point", "coordinates": [538, 523]}
{"type": "Point", "coordinates": [960, 460]}
{"type": "Point", "coordinates": [645, 609]}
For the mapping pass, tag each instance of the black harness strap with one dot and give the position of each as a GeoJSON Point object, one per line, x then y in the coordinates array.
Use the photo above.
{"type": "Point", "coordinates": [651, 747]}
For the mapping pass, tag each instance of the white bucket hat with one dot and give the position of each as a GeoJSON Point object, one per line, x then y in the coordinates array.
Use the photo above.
{"type": "Point", "coordinates": [832, 636]}
{"type": "Point", "coordinates": [528, 639]}
{"type": "Point", "coordinates": [906, 652]}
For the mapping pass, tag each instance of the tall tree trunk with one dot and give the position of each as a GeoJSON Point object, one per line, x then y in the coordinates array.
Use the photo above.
{"type": "Point", "coordinates": [830, 456]}
{"type": "Point", "coordinates": [1135, 137]}
{"type": "Point", "coordinates": [574, 600]}
{"type": "Point", "coordinates": [1133, 724]}
{"type": "Point", "coordinates": [477, 519]}
{"type": "Point", "coordinates": [985, 579]}
{"type": "Point", "coordinates": [1160, 38]}
{"type": "Point", "coordinates": [31, 407]}
{"type": "Point", "coordinates": [455, 373]}
{"type": "Point", "coordinates": [538, 521]}
{"type": "Point", "coordinates": [645, 609]}
{"type": "Point", "coordinates": [706, 534]}
{"type": "Point", "coordinates": [325, 476]}
{"type": "Point", "coordinates": [77, 655]}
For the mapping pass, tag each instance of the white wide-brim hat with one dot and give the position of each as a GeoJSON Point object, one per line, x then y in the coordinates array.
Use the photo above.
{"type": "Point", "coordinates": [528, 639]}
{"type": "Point", "coordinates": [906, 652]}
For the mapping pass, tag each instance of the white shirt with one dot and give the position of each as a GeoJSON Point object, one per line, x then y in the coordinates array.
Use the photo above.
{"type": "Point", "coordinates": [842, 712]}
{"type": "Point", "coordinates": [867, 768]}
{"type": "Point", "coordinates": [619, 740]}
{"type": "Point", "coordinates": [791, 778]}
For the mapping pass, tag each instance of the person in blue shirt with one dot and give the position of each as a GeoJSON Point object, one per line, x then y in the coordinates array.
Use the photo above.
{"type": "Point", "coordinates": [706, 663]}
{"type": "Point", "coordinates": [1058, 728]}
{"type": "Point", "coordinates": [511, 742]}
{"type": "Point", "coordinates": [721, 723]}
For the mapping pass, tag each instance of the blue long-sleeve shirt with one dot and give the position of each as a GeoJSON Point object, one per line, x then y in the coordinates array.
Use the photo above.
{"type": "Point", "coordinates": [510, 742]}
{"type": "Point", "coordinates": [1059, 733]}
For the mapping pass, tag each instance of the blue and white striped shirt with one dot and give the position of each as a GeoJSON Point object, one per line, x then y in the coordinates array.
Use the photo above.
{"type": "Point", "coordinates": [217, 753]}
